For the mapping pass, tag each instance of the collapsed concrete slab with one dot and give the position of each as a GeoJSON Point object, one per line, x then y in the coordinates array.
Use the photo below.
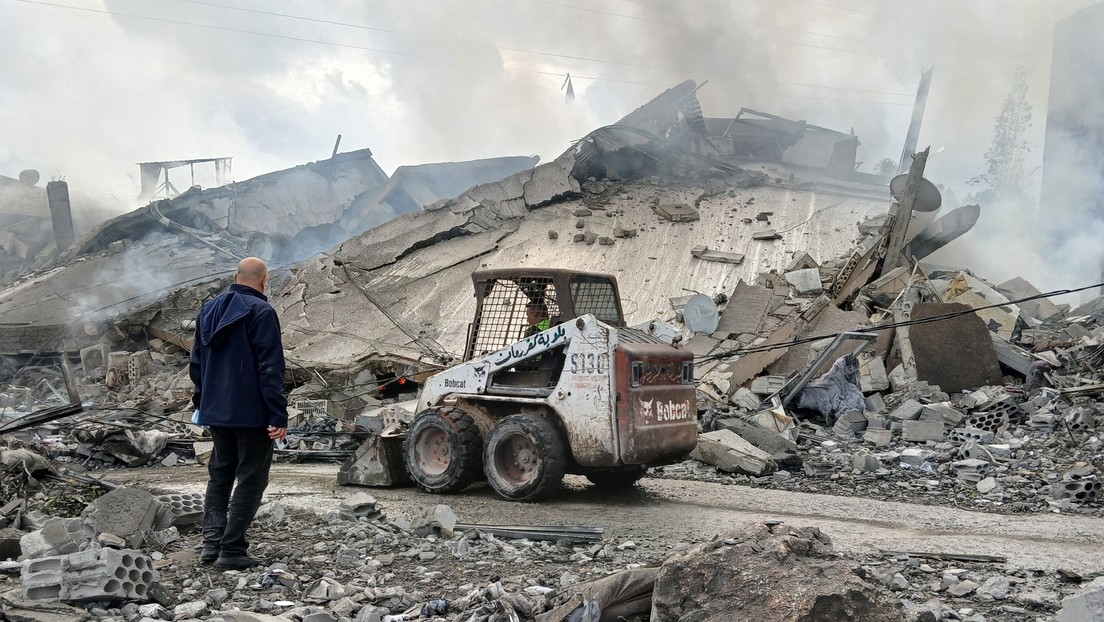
{"type": "Point", "coordinates": [727, 451]}
{"type": "Point", "coordinates": [768, 574]}
{"type": "Point", "coordinates": [954, 354]}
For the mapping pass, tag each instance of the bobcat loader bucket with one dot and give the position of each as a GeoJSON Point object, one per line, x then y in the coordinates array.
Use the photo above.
{"type": "Point", "coordinates": [377, 462]}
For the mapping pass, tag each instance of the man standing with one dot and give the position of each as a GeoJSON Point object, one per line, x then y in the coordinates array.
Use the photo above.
{"type": "Point", "coordinates": [238, 370]}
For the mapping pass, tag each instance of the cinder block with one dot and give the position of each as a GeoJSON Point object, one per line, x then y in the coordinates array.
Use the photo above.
{"type": "Point", "coordinates": [108, 574]}
{"type": "Point", "coordinates": [179, 510]}
{"type": "Point", "coordinates": [93, 357]}
{"type": "Point", "coordinates": [58, 536]}
{"type": "Point", "coordinates": [44, 578]}
{"type": "Point", "coordinates": [922, 431]}
{"type": "Point", "coordinates": [971, 470]}
{"type": "Point", "coordinates": [1082, 491]}
{"type": "Point", "coordinates": [963, 435]}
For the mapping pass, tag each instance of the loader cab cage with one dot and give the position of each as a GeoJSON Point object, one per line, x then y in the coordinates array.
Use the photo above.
{"type": "Point", "coordinates": [511, 305]}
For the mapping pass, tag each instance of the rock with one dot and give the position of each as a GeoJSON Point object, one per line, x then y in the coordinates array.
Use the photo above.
{"type": "Point", "coordinates": [727, 451]}
{"type": "Point", "coordinates": [994, 588]}
{"type": "Point", "coordinates": [1085, 606]}
{"type": "Point", "coordinates": [553, 234]}
{"type": "Point", "coordinates": [592, 187]}
{"type": "Point", "coordinates": [749, 570]}
{"type": "Point", "coordinates": [987, 485]}
{"type": "Point", "coordinates": [962, 588]}
{"type": "Point", "coordinates": [438, 519]}
{"type": "Point", "coordinates": [193, 609]}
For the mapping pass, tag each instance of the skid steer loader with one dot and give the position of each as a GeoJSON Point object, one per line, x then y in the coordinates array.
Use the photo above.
{"type": "Point", "coordinates": [552, 382]}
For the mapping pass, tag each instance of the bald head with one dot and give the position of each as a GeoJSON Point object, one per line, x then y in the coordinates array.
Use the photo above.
{"type": "Point", "coordinates": [252, 272]}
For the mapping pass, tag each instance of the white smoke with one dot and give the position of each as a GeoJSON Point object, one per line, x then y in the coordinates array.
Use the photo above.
{"type": "Point", "coordinates": [92, 94]}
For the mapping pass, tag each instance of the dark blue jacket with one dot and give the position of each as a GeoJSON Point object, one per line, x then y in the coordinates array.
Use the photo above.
{"type": "Point", "coordinates": [238, 362]}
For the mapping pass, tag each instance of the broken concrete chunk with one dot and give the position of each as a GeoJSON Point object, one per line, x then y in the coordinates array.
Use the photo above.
{"type": "Point", "coordinates": [878, 437]}
{"type": "Point", "coordinates": [437, 519]}
{"type": "Point", "coordinates": [703, 253]}
{"type": "Point", "coordinates": [1085, 606]}
{"type": "Point", "coordinates": [57, 536]}
{"type": "Point", "coordinates": [768, 385]}
{"type": "Point", "coordinates": [729, 452]}
{"type": "Point", "coordinates": [766, 234]}
{"type": "Point", "coordinates": [805, 282]}
{"type": "Point", "coordinates": [126, 512]}
{"type": "Point", "coordinates": [582, 211]}
{"type": "Point", "coordinates": [922, 431]}
{"type": "Point", "coordinates": [874, 376]}
{"type": "Point", "coordinates": [712, 581]}
{"type": "Point", "coordinates": [908, 410]}
{"type": "Point", "coordinates": [850, 423]}
{"type": "Point", "coordinates": [678, 212]}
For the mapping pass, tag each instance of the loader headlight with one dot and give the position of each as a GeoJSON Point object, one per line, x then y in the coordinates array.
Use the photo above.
{"type": "Point", "coordinates": [688, 373]}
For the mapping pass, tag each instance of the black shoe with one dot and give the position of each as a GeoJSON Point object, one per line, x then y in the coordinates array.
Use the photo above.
{"type": "Point", "coordinates": [244, 560]}
{"type": "Point", "coordinates": [208, 554]}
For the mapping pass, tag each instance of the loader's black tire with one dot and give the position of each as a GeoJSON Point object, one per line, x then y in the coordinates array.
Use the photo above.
{"type": "Point", "coordinates": [524, 457]}
{"type": "Point", "coordinates": [625, 478]}
{"type": "Point", "coordinates": [443, 450]}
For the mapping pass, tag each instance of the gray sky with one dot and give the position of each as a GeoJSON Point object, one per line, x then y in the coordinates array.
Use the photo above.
{"type": "Point", "coordinates": [87, 93]}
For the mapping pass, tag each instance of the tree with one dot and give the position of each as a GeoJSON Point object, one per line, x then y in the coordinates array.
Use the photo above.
{"type": "Point", "coordinates": [885, 166]}
{"type": "Point", "coordinates": [1004, 161]}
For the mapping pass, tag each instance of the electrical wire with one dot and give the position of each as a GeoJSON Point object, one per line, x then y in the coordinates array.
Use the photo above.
{"type": "Point", "coordinates": [887, 325]}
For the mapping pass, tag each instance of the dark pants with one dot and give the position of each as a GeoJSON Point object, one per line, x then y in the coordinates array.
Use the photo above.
{"type": "Point", "coordinates": [244, 454]}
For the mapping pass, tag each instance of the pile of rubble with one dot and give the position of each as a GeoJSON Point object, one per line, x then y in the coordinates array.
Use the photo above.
{"type": "Point", "coordinates": [130, 556]}
{"type": "Point", "coordinates": [956, 393]}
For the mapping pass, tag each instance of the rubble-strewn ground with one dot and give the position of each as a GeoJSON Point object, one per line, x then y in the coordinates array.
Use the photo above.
{"type": "Point", "coordinates": [372, 563]}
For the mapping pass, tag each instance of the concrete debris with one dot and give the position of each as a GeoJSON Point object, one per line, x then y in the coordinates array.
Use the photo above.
{"type": "Point", "coordinates": [805, 282]}
{"type": "Point", "coordinates": [705, 254]}
{"type": "Point", "coordinates": [711, 581]}
{"type": "Point", "coordinates": [95, 575]}
{"type": "Point", "coordinates": [727, 451]}
{"type": "Point", "coordinates": [996, 409]}
{"type": "Point", "coordinates": [1085, 606]}
{"type": "Point", "coordinates": [439, 519]}
{"type": "Point", "coordinates": [678, 213]}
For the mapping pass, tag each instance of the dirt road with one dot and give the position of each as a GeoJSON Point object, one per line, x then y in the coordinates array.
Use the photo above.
{"type": "Point", "coordinates": [660, 514]}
